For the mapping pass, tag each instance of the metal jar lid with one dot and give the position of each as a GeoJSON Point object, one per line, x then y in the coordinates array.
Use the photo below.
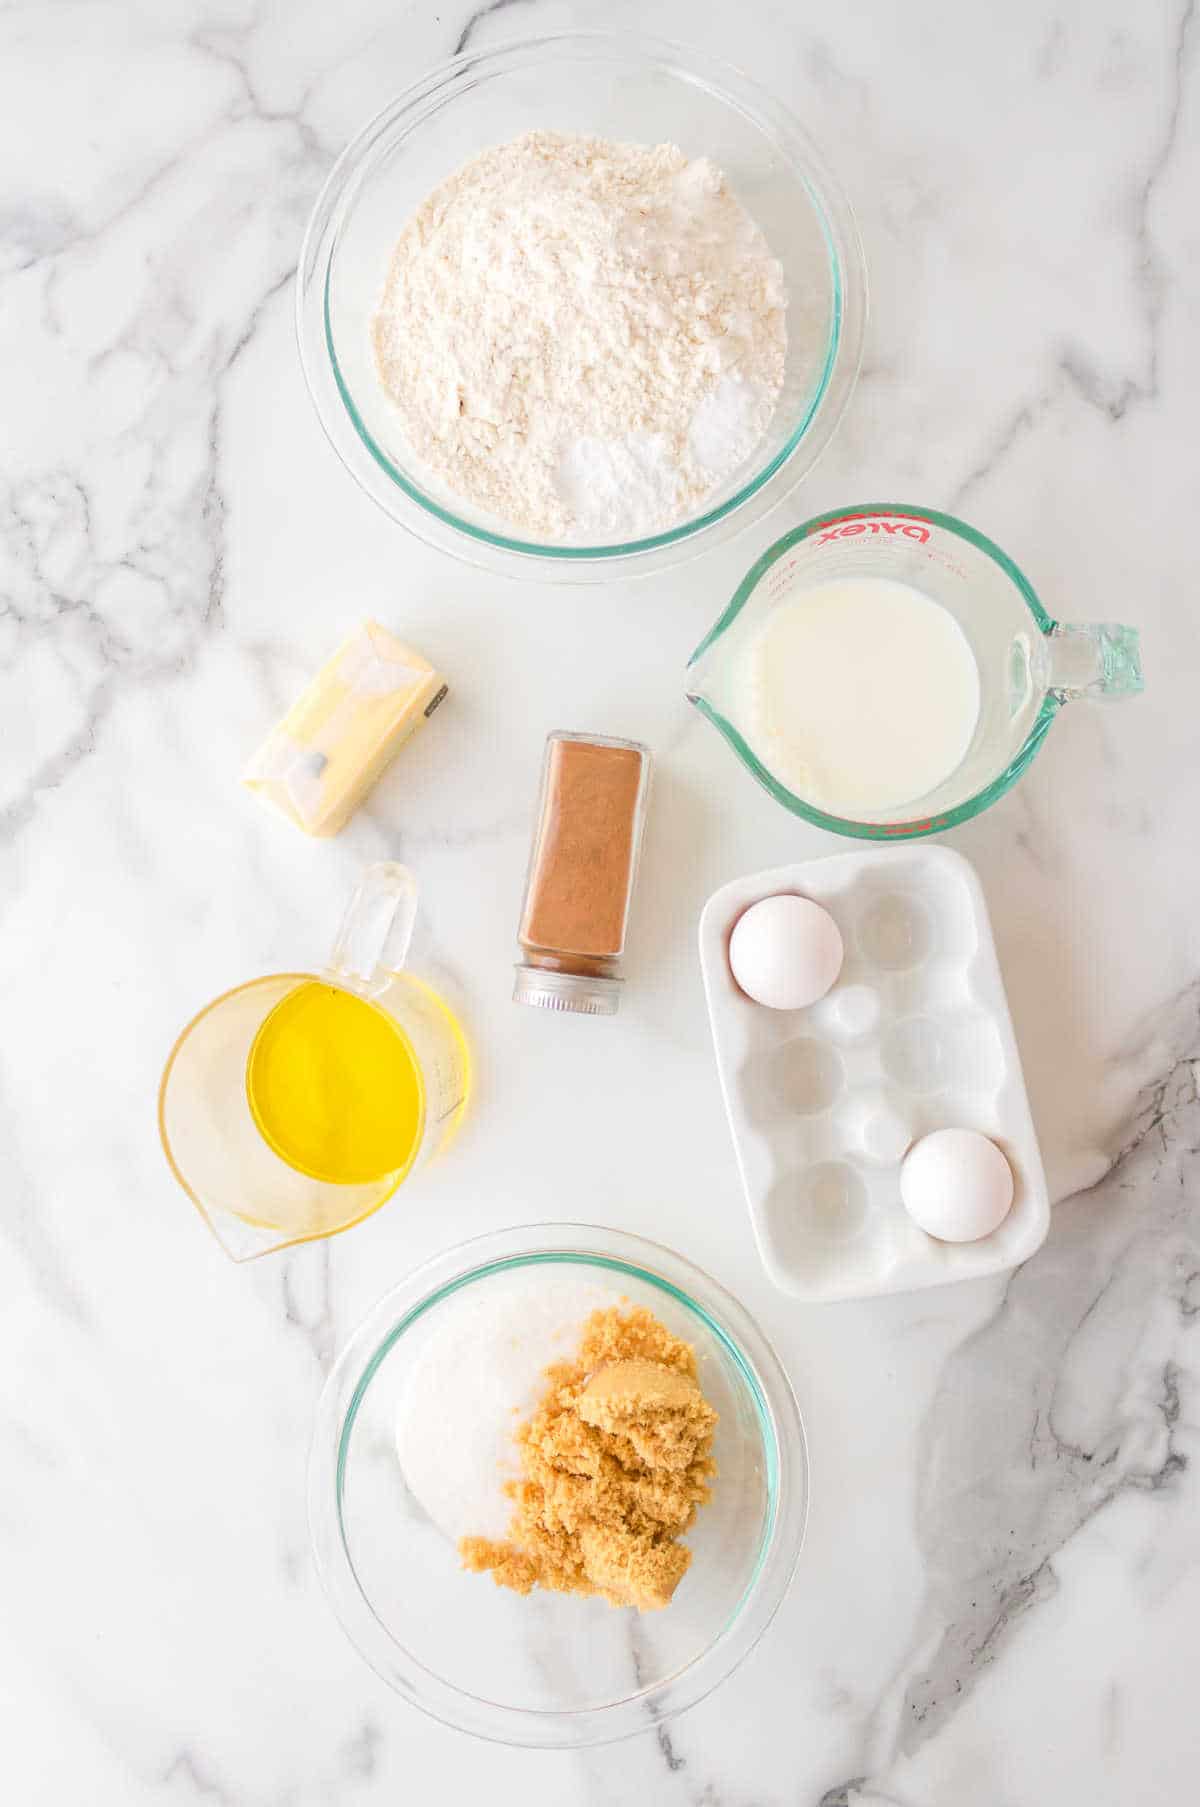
{"type": "Point", "coordinates": [549, 990]}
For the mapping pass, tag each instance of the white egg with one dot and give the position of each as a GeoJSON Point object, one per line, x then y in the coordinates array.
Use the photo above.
{"type": "Point", "coordinates": [956, 1185]}
{"type": "Point", "coordinates": [785, 952]}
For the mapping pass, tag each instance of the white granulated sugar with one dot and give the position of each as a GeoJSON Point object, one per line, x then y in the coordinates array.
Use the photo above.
{"type": "Point", "coordinates": [583, 338]}
{"type": "Point", "coordinates": [477, 1373]}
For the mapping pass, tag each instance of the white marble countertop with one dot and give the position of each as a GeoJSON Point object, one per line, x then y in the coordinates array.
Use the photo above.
{"type": "Point", "coordinates": [999, 1598]}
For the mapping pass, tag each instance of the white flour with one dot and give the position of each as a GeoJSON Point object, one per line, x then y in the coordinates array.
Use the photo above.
{"type": "Point", "coordinates": [583, 338]}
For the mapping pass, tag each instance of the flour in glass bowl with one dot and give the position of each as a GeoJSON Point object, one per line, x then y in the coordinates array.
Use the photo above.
{"type": "Point", "coordinates": [583, 338]}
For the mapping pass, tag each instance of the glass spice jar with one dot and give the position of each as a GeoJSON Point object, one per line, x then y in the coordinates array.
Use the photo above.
{"type": "Point", "coordinates": [581, 873]}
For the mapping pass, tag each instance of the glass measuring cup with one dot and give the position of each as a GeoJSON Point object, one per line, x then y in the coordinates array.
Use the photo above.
{"type": "Point", "coordinates": [216, 1133]}
{"type": "Point", "coordinates": [1029, 664]}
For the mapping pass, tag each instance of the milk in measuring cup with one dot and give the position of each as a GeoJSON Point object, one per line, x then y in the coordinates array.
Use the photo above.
{"type": "Point", "coordinates": [860, 693]}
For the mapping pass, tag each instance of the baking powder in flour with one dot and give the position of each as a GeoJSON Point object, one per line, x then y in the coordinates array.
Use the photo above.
{"type": "Point", "coordinates": [581, 337]}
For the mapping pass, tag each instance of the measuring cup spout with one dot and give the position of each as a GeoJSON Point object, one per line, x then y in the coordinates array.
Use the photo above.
{"type": "Point", "coordinates": [707, 682]}
{"type": "Point", "coordinates": [704, 666]}
{"type": "Point", "coordinates": [1093, 659]}
{"type": "Point", "coordinates": [695, 680]}
{"type": "Point", "coordinates": [376, 930]}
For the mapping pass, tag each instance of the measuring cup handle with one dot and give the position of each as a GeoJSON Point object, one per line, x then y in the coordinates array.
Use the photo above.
{"type": "Point", "coordinates": [1097, 658]}
{"type": "Point", "coordinates": [373, 940]}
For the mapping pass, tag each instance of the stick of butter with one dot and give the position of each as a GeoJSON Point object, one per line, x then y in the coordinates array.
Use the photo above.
{"type": "Point", "coordinates": [331, 746]}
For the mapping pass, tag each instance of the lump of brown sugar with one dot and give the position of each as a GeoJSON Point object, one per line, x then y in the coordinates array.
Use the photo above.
{"type": "Point", "coordinates": [659, 1411]}
{"type": "Point", "coordinates": [631, 1570]}
{"type": "Point", "coordinates": [616, 1459]}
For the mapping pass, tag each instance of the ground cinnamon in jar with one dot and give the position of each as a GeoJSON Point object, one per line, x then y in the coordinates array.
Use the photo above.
{"type": "Point", "coordinates": [581, 873]}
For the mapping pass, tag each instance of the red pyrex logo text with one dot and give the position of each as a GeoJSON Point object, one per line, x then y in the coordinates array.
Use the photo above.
{"type": "Point", "coordinates": [844, 533]}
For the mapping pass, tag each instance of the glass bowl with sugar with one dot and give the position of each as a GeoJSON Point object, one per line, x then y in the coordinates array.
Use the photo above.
{"type": "Point", "coordinates": [416, 1448]}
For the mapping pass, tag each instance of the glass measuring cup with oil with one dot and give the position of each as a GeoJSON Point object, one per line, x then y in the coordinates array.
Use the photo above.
{"type": "Point", "coordinates": [294, 1106]}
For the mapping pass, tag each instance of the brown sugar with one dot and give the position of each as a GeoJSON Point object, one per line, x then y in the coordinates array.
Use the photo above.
{"type": "Point", "coordinates": [578, 893]}
{"type": "Point", "coordinates": [616, 1460]}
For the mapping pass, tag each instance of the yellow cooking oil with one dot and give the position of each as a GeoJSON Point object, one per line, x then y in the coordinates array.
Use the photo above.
{"type": "Point", "coordinates": [334, 1087]}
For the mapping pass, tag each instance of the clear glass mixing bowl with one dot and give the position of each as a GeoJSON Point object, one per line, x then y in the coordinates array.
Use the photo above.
{"type": "Point", "coordinates": [554, 1670]}
{"type": "Point", "coordinates": [625, 87]}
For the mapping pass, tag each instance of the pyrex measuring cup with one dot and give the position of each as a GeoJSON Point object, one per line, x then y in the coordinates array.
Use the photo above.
{"type": "Point", "coordinates": [1029, 665]}
{"type": "Point", "coordinates": [219, 1102]}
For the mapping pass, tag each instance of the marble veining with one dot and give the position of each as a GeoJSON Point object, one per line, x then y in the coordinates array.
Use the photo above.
{"type": "Point", "coordinates": [999, 1596]}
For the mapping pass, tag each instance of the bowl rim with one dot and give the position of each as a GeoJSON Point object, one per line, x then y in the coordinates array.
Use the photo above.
{"type": "Point", "coordinates": [785, 1447]}
{"type": "Point", "coordinates": [401, 497]}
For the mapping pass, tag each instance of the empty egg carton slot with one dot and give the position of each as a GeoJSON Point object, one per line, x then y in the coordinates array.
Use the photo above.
{"type": "Point", "coordinates": [800, 1078]}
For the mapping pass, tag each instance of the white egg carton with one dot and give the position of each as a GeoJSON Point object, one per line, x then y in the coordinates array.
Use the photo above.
{"type": "Point", "coordinates": [915, 1036]}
